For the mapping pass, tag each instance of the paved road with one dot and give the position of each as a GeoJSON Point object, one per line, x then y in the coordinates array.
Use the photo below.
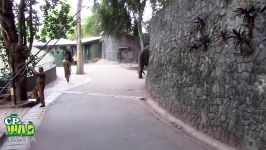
{"type": "Point", "coordinates": [106, 114]}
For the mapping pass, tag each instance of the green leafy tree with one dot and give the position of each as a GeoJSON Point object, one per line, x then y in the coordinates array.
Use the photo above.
{"type": "Point", "coordinates": [5, 68]}
{"type": "Point", "coordinates": [112, 17]}
{"type": "Point", "coordinates": [52, 23]}
{"type": "Point", "coordinates": [20, 22]}
{"type": "Point", "coordinates": [137, 7]}
{"type": "Point", "coordinates": [119, 16]}
{"type": "Point", "coordinates": [91, 26]}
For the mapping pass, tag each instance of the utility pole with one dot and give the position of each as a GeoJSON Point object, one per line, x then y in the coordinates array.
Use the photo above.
{"type": "Point", "coordinates": [80, 51]}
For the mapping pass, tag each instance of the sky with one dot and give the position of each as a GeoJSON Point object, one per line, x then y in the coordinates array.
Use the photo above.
{"type": "Point", "coordinates": [86, 11]}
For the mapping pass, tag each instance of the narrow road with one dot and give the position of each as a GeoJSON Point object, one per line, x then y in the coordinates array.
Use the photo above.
{"type": "Point", "coordinates": [107, 114]}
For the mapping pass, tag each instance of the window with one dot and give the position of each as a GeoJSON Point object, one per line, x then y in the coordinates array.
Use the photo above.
{"type": "Point", "coordinates": [57, 52]}
{"type": "Point", "coordinates": [52, 52]}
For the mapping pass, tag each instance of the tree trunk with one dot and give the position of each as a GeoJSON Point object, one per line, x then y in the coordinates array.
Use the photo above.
{"type": "Point", "coordinates": [15, 48]}
{"type": "Point", "coordinates": [80, 53]}
{"type": "Point", "coordinates": [140, 32]}
{"type": "Point", "coordinates": [21, 87]}
{"type": "Point", "coordinates": [140, 18]}
{"type": "Point", "coordinates": [21, 72]}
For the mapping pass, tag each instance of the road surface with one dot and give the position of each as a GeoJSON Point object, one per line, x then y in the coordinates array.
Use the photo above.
{"type": "Point", "coordinates": [107, 114]}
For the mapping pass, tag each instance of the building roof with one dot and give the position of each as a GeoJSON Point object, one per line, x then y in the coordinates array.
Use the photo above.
{"type": "Point", "coordinates": [46, 61]}
{"type": "Point", "coordinates": [54, 42]}
{"type": "Point", "coordinates": [65, 41]}
{"type": "Point", "coordinates": [90, 39]}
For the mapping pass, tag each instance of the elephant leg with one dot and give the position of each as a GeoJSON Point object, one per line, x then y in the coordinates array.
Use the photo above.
{"type": "Point", "coordinates": [141, 68]}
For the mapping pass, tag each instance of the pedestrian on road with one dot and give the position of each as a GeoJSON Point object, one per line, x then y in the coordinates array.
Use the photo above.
{"type": "Point", "coordinates": [38, 91]}
{"type": "Point", "coordinates": [67, 68]}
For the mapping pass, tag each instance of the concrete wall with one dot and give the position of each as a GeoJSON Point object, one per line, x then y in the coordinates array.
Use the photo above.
{"type": "Point", "coordinates": [215, 88]}
{"type": "Point", "coordinates": [112, 43]}
{"type": "Point", "coordinates": [60, 52]}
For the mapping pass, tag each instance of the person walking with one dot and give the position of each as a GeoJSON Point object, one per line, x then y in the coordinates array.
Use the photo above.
{"type": "Point", "coordinates": [67, 68]}
{"type": "Point", "coordinates": [38, 90]}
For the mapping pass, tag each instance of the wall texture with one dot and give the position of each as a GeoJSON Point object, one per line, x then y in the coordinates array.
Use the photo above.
{"type": "Point", "coordinates": [112, 43]}
{"type": "Point", "coordinates": [198, 74]}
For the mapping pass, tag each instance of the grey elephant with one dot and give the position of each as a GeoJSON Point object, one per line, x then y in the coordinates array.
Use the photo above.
{"type": "Point", "coordinates": [143, 61]}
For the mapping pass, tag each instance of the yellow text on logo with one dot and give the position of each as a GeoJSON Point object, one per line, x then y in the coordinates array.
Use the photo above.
{"type": "Point", "coordinates": [20, 130]}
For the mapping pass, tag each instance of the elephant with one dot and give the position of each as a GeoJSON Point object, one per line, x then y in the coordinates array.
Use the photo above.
{"type": "Point", "coordinates": [143, 61]}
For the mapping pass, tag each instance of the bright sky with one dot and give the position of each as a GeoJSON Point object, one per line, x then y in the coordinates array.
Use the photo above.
{"type": "Point", "coordinates": [89, 3]}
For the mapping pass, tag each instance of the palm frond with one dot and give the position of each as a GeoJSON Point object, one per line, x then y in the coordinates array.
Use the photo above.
{"type": "Point", "coordinates": [200, 22]}
{"type": "Point", "coordinates": [251, 9]}
{"type": "Point", "coordinates": [241, 11]}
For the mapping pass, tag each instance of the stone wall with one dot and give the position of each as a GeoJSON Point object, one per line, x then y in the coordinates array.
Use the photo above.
{"type": "Point", "coordinates": [112, 43]}
{"type": "Point", "coordinates": [202, 75]}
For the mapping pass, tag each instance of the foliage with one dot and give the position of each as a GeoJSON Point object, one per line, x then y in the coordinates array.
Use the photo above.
{"type": "Point", "coordinates": [158, 4]}
{"type": "Point", "coordinates": [224, 35]}
{"type": "Point", "coordinates": [91, 26]}
{"type": "Point", "coordinates": [136, 8]}
{"type": "Point", "coordinates": [162, 3]}
{"type": "Point", "coordinates": [248, 15]}
{"type": "Point", "coordinates": [203, 42]}
{"type": "Point", "coordinates": [119, 16]}
{"type": "Point", "coordinates": [27, 22]}
{"type": "Point", "coordinates": [53, 26]}
{"type": "Point", "coordinates": [200, 23]}
{"type": "Point", "coordinates": [134, 28]}
{"type": "Point", "coordinates": [242, 40]}
{"type": "Point", "coordinates": [111, 17]}
{"type": "Point", "coordinates": [136, 5]}
{"type": "Point", "coordinates": [204, 38]}
{"type": "Point", "coordinates": [6, 69]}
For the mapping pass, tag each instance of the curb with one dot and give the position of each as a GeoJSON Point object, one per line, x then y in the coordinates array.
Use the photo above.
{"type": "Point", "coordinates": [2, 138]}
{"type": "Point", "coordinates": [27, 104]}
{"type": "Point", "coordinates": [196, 134]}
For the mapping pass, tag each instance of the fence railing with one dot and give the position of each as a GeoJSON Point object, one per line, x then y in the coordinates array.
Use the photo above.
{"type": "Point", "coordinates": [5, 91]}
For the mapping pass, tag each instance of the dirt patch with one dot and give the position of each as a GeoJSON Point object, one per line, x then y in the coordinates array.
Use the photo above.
{"type": "Point", "coordinates": [130, 66]}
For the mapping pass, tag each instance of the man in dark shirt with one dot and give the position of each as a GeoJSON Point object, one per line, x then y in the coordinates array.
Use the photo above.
{"type": "Point", "coordinates": [38, 91]}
